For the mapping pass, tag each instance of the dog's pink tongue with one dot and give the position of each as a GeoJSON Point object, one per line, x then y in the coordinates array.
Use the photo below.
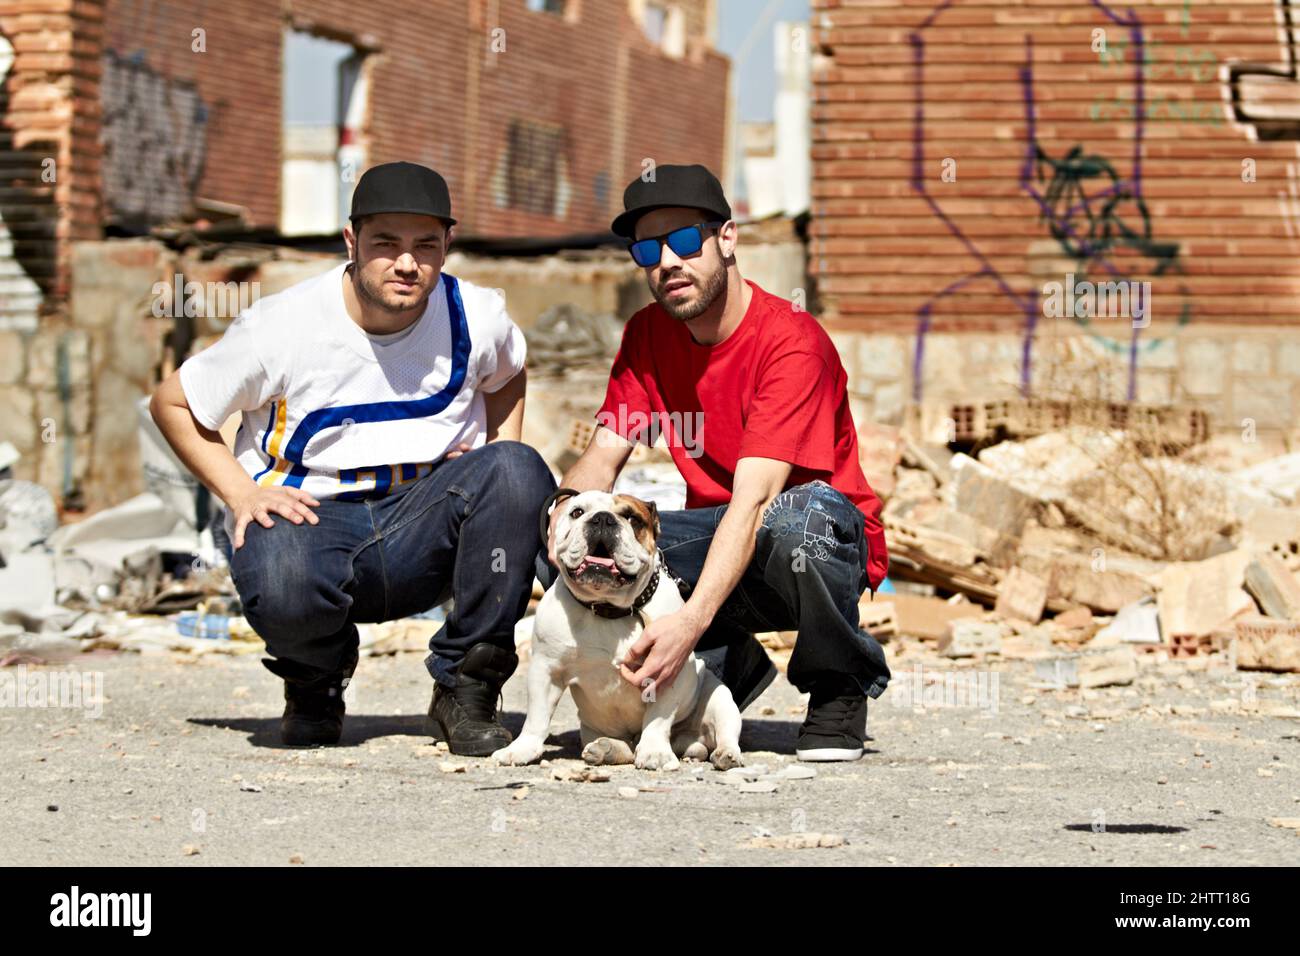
{"type": "Point", "coordinates": [606, 562]}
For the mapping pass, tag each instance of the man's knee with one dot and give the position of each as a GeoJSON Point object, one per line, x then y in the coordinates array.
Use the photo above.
{"type": "Point", "coordinates": [517, 472]}
{"type": "Point", "coordinates": [810, 524]}
{"type": "Point", "coordinates": [282, 590]}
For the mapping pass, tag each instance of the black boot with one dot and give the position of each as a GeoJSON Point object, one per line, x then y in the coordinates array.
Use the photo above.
{"type": "Point", "coordinates": [466, 716]}
{"type": "Point", "coordinates": [313, 702]}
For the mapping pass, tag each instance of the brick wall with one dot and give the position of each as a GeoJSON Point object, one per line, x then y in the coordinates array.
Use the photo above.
{"type": "Point", "coordinates": [443, 92]}
{"type": "Point", "coordinates": [49, 59]}
{"type": "Point", "coordinates": [968, 154]}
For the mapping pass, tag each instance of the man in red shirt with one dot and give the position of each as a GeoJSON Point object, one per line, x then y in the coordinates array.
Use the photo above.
{"type": "Point", "coordinates": [780, 529]}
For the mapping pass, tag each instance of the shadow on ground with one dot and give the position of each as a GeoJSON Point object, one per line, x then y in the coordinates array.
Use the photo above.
{"type": "Point", "coordinates": [771, 736]}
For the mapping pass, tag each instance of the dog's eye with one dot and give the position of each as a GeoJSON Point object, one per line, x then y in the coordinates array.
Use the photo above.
{"type": "Point", "coordinates": [636, 522]}
{"type": "Point", "coordinates": [575, 513]}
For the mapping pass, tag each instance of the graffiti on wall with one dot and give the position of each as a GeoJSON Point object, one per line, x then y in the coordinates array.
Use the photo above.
{"type": "Point", "coordinates": [1098, 217]}
{"type": "Point", "coordinates": [26, 210]}
{"type": "Point", "coordinates": [1159, 61]}
{"type": "Point", "coordinates": [155, 141]}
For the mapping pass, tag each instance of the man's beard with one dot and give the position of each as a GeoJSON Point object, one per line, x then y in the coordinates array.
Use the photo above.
{"type": "Point", "coordinates": [375, 296]}
{"type": "Point", "coordinates": [714, 286]}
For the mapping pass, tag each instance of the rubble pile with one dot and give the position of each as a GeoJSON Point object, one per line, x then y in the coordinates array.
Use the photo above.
{"type": "Point", "coordinates": [1086, 547]}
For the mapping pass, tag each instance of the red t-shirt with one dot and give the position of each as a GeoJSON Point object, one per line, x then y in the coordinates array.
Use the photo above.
{"type": "Point", "coordinates": [774, 388]}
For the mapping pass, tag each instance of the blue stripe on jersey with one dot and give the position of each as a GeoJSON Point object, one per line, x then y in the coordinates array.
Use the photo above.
{"type": "Point", "coordinates": [265, 435]}
{"type": "Point", "coordinates": [323, 418]}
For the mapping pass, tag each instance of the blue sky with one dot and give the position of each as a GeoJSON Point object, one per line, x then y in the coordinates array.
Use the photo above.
{"type": "Point", "coordinates": [736, 18]}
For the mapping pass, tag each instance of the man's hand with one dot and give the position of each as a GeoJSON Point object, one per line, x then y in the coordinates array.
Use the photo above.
{"type": "Point", "coordinates": [259, 503]}
{"type": "Point", "coordinates": [458, 450]}
{"type": "Point", "coordinates": [661, 651]}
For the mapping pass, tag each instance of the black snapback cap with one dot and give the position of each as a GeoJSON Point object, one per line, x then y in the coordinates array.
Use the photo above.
{"type": "Point", "coordinates": [402, 187]}
{"type": "Point", "coordinates": [672, 186]}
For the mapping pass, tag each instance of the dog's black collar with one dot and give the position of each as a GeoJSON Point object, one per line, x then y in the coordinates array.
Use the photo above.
{"type": "Point", "coordinates": [605, 609]}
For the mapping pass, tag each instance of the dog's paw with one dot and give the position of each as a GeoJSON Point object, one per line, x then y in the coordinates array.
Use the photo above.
{"type": "Point", "coordinates": [605, 750]}
{"type": "Point", "coordinates": [725, 759]}
{"type": "Point", "coordinates": [657, 760]}
{"type": "Point", "coordinates": [696, 751]}
{"type": "Point", "coordinates": [518, 753]}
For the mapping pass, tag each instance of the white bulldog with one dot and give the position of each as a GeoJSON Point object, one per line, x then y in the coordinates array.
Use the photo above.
{"type": "Point", "coordinates": [612, 584]}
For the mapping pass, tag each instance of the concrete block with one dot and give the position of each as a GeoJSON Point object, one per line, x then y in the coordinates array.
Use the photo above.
{"type": "Point", "coordinates": [989, 499]}
{"type": "Point", "coordinates": [1267, 401]}
{"type": "Point", "coordinates": [1273, 586]}
{"type": "Point", "coordinates": [1022, 596]}
{"type": "Point", "coordinates": [1288, 359]}
{"type": "Point", "coordinates": [1203, 365]}
{"type": "Point", "coordinates": [13, 357]}
{"type": "Point", "coordinates": [882, 357]}
{"type": "Point", "coordinates": [18, 418]}
{"type": "Point", "coordinates": [43, 357]}
{"type": "Point", "coordinates": [968, 637]}
{"type": "Point", "coordinates": [1251, 356]}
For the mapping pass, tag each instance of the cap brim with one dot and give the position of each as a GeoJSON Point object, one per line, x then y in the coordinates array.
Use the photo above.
{"type": "Point", "coordinates": [416, 212]}
{"type": "Point", "coordinates": [625, 224]}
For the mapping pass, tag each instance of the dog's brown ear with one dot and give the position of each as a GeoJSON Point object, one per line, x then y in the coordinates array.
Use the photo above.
{"type": "Point", "coordinates": [654, 518]}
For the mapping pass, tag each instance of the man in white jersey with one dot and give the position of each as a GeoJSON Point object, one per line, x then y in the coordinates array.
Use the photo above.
{"type": "Point", "coordinates": [382, 407]}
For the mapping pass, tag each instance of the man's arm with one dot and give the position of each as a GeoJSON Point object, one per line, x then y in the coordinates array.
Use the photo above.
{"type": "Point", "coordinates": [667, 642]}
{"type": "Point", "coordinates": [505, 409]}
{"type": "Point", "coordinates": [204, 453]}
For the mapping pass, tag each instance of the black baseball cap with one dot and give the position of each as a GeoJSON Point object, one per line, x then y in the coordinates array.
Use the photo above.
{"type": "Point", "coordinates": [671, 186]}
{"type": "Point", "coordinates": [402, 187]}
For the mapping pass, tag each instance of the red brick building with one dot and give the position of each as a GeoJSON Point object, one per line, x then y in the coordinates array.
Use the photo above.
{"type": "Point", "coordinates": [536, 111]}
{"type": "Point", "coordinates": [967, 154]}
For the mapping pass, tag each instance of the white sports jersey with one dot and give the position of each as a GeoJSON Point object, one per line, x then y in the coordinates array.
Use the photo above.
{"type": "Point", "coordinates": [342, 414]}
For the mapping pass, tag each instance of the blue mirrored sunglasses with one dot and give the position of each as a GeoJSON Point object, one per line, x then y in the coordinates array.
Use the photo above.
{"type": "Point", "coordinates": [683, 242]}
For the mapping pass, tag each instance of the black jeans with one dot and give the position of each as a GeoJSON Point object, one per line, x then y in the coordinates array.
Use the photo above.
{"type": "Point", "coordinates": [467, 530]}
{"type": "Point", "coordinates": [808, 572]}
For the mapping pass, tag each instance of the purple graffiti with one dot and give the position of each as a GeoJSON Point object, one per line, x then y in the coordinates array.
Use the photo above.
{"type": "Point", "coordinates": [1067, 200]}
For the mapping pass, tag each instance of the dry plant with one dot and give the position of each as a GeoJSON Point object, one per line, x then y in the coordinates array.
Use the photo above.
{"type": "Point", "coordinates": [1140, 495]}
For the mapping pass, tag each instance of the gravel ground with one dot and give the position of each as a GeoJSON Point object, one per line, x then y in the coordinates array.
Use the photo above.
{"type": "Point", "coordinates": [182, 767]}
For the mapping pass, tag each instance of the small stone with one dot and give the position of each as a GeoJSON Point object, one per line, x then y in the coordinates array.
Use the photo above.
{"type": "Point", "coordinates": [446, 766]}
{"type": "Point", "coordinates": [190, 849]}
{"type": "Point", "coordinates": [521, 793]}
{"type": "Point", "coordinates": [241, 693]}
{"type": "Point", "coordinates": [627, 792]}
{"type": "Point", "coordinates": [250, 788]}
{"type": "Point", "coordinates": [297, 859]}
{"type": "Point", "coordinates": [794, 771]}
{"type": "Point", "coordinates": [766, 710]}
{"type": "Point", "coordinates": [52, 807]}
{"type": "Point", "coordinates": [757, 786]}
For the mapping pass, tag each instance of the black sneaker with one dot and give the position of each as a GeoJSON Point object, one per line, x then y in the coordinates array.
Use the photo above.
{"type": "Point", "coordinates": [836, 723]}
{"type": "Point", "coordinates": [313, 702]}
{"type": "Point", "coordinates": [466, 716]}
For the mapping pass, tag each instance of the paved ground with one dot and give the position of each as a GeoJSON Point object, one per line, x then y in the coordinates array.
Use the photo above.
{"type": "Point", "coordinates": [1171, 771]}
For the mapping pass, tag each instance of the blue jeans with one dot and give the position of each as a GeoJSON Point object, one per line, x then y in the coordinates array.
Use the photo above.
{"type": "Point", "coordinates": [467, 530]}
{"type": "Point", "coordinates": [808, 572]}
